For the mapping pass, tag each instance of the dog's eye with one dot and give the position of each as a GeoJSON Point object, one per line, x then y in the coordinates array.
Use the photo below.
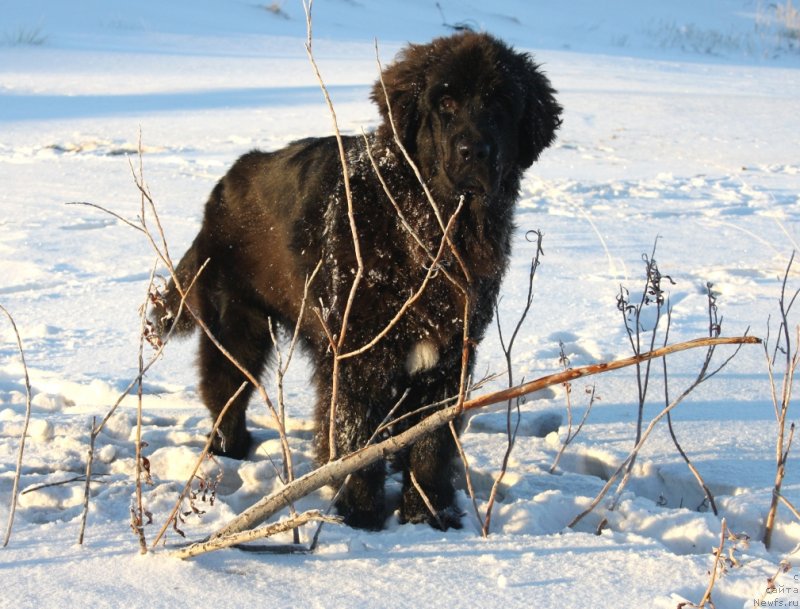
{"type": "Point", "coordinates": [447, 105]}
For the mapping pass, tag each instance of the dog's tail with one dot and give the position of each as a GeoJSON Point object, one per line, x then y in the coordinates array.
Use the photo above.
{"type": "Point", "coordinates": [167, 314]}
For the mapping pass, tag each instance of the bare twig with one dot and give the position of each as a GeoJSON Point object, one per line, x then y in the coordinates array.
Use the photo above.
{"type": "Point", "coordinates": [652, 293]}
{"type": "Point", "coordinates": [425, 498]}
{"type": "Point", "coordinates": [511, 431]}
{"type": "Point", "coordinates": [96, 429]}
{"type": "Point", "coordinates": [789, 505]}
{"type": "Point", "coordinates": [23, 433]}
{"type": "Point", "coordinates": [715, 570]}
{"type": "Point", "coordinates": [174, 513]}
{"type": "Point", "coordinates": [353, 230]}
{"type": "Point", "coordinates": [418, 174]}
{"type": "Point", "coordinates": [137, 513]}
{"type": "Point", "coordinates": [714, 329]}
{"type": "Point", "coordinates": [467, 475]}
{"type": "Point", "coordinates": [86, 488]}
{"type": "Point", "coordinates": [280, 373]}
{"type": "Point", "coordinates": [791, 353]}
{"type": "Point", "coordinates": [571, 435]}
{"type": "Point", "coordinates": [414, 297]}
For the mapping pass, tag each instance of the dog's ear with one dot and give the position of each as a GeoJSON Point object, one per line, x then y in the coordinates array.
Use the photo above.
{"type": "Point", "coordinates": [541, 116]}
{"type": "Point", "coordinates": [405, 83]}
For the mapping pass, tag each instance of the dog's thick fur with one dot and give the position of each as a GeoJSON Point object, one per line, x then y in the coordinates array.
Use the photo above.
{"type": "Point", "coordinates": [473, 114]}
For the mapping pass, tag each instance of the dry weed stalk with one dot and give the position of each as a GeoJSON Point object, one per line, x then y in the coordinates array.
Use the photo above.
{"type": "Point", "coordinates": [626, 467]}
{"type": "Point", "coordinates": [511, 431]}
{"type": "Point", "coordinates": [716, 570]}
{"type": "Point", "coordinates": [654, 294]}
{"type": "Point", "coordinates": [87, 480]}
{"type": "Point", "coordinates": [785, 349]}
{"type": "Point", "coordinates": [722, 564]}
{"type": "Point", "coordinates": [339, 342]}
{"type": "Point", "coordinates": [571, 433]}
{"type": "Point", "coordinates": [714, 328]}
{"type": "Point", "coordinates": [15, 487]}
{"type": "Point", "coordinates": [137, 511]}
{"type": "Point", "coordinates": [172, 518]}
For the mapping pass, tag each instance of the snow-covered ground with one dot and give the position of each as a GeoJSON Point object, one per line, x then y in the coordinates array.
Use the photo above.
{"type": "Point", "coordinates": [681, 124]}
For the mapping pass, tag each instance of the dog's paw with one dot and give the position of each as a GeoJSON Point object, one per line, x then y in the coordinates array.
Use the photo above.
{"type": "Point", "coordinates": [369, 520]}
{"type": "Point", "coordinates": [232, 447]}
{"type": "Point", "coordinates": [448, 518]}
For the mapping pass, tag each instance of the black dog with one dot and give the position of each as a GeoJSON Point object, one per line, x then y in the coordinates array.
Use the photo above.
{"type": "Point", "coordinates": [473, 114]}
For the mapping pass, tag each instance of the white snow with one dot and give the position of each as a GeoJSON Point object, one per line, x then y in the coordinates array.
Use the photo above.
{"type": "Point", "coordinates": [681, 123]}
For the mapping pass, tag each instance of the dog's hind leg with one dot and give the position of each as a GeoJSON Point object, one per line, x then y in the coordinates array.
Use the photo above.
{"type": "Point", "coordinates": [242, 329]}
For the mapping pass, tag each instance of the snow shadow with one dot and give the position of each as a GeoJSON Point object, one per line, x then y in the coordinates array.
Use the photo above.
{"type": "Point", "coordinates": [21, 107]}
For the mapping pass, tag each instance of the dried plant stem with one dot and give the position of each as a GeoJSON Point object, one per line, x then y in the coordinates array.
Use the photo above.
{"type": "Point", "coordinates": [334, 472]}
{"type": "Point", "coordinates": [353, 231]}
{"type": "Point", "coordinates": [467, 475]}
{"type": "Point", "coordinates": [695, 472]}
{"type": "Point", "coordinates": [137, 513]}
{"type": "Point", "coordinates": [187, 487]}
{"type": "Point", "coordinates": [96, 429]}
{"type": "Point", "coordinates": [511, 431]}
{"type": "Point", "coordinates": [789, 505]}
{"type": "Point", "coordinates": [280, 373]}
{"type": "Point", "coordinates": [715, 570]}
{"type": "Point", "coordinates": [425, 498]}
{"type": "Point", "coordinates": [414, 297]}
{"type": "Point", "coordinates": [20, 453]}
{"type": "Point", "coordinates": [87, 486]}
{"type": "Point", "coordinates": [571, 435]}
{"type": "Point", "coordinates": [418, 174]}
{"type": "Point", "coordinates": [791, 353]}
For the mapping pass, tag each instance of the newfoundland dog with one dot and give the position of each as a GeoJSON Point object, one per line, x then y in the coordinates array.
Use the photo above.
{"type": "Point", "coordinates": [472, 114]}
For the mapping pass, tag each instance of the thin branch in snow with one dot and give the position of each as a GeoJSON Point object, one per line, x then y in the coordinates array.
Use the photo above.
{"type": "Point", "coordinates": [511, 430]}
{"type": "Point", "coordinates": [23, 433]}
{"type": "Point", "coordinates": [714, 330]}
{"type": "Point", "coordinates": [782, 399]}
{"type": "Point", "coordinates": [172, 518]}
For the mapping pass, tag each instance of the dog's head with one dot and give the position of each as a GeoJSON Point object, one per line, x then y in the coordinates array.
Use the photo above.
{"type": "Point", "coordinates": [470, 110]}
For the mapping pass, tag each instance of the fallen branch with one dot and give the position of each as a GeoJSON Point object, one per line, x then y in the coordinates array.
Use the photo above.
{"type": "Point", "coordinates": [272, 529]}
{"type": "Point", "coordinates": [333, 472]}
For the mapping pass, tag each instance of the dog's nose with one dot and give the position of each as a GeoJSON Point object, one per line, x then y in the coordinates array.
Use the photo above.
{"type": "Point", "coordinates": [473, 150]}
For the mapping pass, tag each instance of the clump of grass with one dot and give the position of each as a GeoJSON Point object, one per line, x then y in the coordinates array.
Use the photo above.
{"type": "Point", "coordinates": [780, 20]}
{"type": "Point", "coordinates": [26, 36]}
{"type": "Point", "coordinates": [276, 8]}
{"type": "Point", "coordinates": [788, 18]}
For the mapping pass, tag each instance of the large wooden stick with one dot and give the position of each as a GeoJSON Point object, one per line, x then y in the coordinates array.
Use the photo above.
{"type": "Point", "coordinates": [334, 472]}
